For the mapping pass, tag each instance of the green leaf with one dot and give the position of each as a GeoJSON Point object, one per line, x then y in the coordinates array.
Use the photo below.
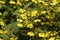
{"type": "Point", "coordinates": [16, 12]}
{"type": "Point", "coordinates": [12, 27]}
{"type": "Point", "coordinates": [27, 5]}
{"type": "Point", "coordinates": [5, 13]}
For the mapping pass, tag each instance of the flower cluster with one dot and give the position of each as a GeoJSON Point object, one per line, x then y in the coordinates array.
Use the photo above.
{"type": "Point", "coordinates": [41, 17]}
{"type": "Point", "coordinates": [34, 19]}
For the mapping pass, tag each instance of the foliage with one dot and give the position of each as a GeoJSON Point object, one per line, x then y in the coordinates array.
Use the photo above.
{"type": "Point", "coordinates": [29, 19]}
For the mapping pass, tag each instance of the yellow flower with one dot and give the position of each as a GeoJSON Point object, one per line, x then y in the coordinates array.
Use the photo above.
{"type": "Point", "coordinates": [41, 34]}
{"type": "Point", "coordinates": [1, 31]}
{"type": "Point", "coordinates": [16, 38]}
{"type": "Point", "coordinates": [19, 3]}
{"type": "Point", "coordinates": [30, 33]}
{"type": "Point", "coordinates": [26, 0]}
{"type": "Point", "coordinates": [45, 3]}
{"type": "Point", "coordinates": [47, 16]}
{"type": "Point", "coordinates": [14, 6]}
{"type": "Point", "coordinates": [12, 2]}
{"type": "Point", "coordinates": [20, 20]}
{"type": "Point", "coordinates": [34, 13]}
{"type": "Point", "coordinates": [29, 25]}
{"type": "Point", "coordinates": [1, 39]}
{"type": "Point", "coordinates": [47, 23]}
{"type": "Point", "coordinates": [58, 9]}
{"type": "Point", "coordinates": [12, 38]}
{"type": "Point", "coordinates": [20, 25]}
{"type": "Point", "coordinates": [5, 32]}
{"type": "Point", "coordinates": [37, 20]}
{"type": "Point", "coordinates": [0, 6]}
{"type": "Point", "coordinates": [26, 22]}
{"type": "Point", "coordinates": [52, 38]}
{"type": "Point", "coordinates": [23, 16]}
{"type": "Point", "coordinates": [43, 12]}
{"type": "Point", "coordinates": [35, 1]}
{"type": "Point", "coordinates": [2, 2]}
{"type": "Point", "coordinates": [47, 35]}
{"type": "Point", "coordinates": [22, 10]}
{"type": "Point", "coordinates": [54, 2]}
{"type": "Point", "coordinates": [0, 13]}
{"type": "Point", "coordinates": [54, 33]}
{"type": "Point", "coordinates": [2, 23]}
{"type": "Point", "coordinates": [42, 23]}
{"type": "Point", "coordinates": [28, 14]}
{"type": "Point", "coordinates": [51, 34]}
{"type": "Point", "coordinates": [40, 1]}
